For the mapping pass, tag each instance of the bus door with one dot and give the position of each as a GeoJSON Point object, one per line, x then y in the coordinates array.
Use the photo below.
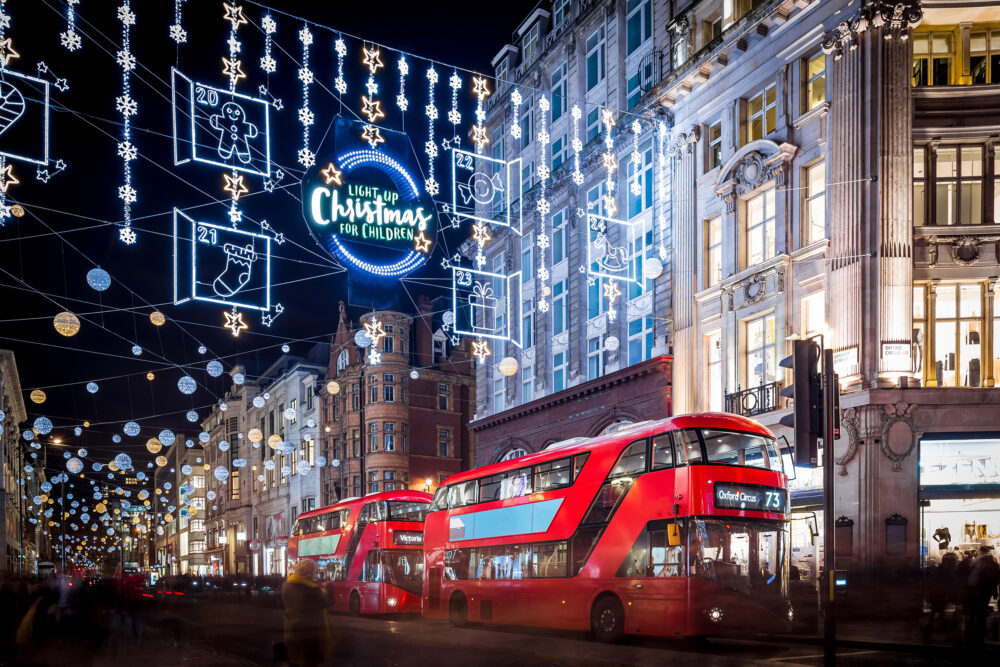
{"type": "Point", "coordinates": [372, 576]}
{"type": "Point", "coordinates": [656, 585]}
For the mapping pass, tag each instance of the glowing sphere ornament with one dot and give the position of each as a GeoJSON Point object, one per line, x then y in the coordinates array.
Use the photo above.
{"type": "Point", "coordinates": [161, 461]}
{"type": "Point", "coordinates": [274, 441]}
{"type": "Point", "coordinates": [214, 368]}
{"type": "Point", "coordinates": [258, 401]}
{"type": "Point", "coordinates": [221, 473]}
{"type": "Point", "coordinates": [653, 268]}
{"type": "Point", "coordinates": [153, 446]}
{"type": "Point", "coordinates": [150, 376]}
{"type": "Point", "coordinates": [239, 463]}
{"type": "Point", "coordinates": [74, 465]}
{"type": "Point", "coordinates": [290, 414]}
{"type": "Point", "coordinates": [43, 425]}
{"type": "Point", "coordinates": [204, 436]}
{"type": "Point", "coordinates": [303, 467]}
{"type": "Point", "coordinates": [611, 343]}
{"type": "Point", "coordinates": [37, 396]}
{"type": "Point", "coordinates": [508, 366]}
{"type": "Point", "coordinates": [167, 437]}
{"type": "Point", "coordinates": [116, 438]}
{"type": "Point", "coordinates": [98, 279]}
{"type": "Point", "coordinates": [131, 429]}
{"type": "Point", "coordinates": [414, 374]}
{"type": "Point", "coordinates": [285, 348]}
{"type": "Point", "coordinates": [239, 378]}
{"type": "Point", "coordinates": [320, 461]}
{"type": "Point", "coordinates": [223, 446]}
{"type": "Point", "coordinates": [333, 387]}
{"type": "Point", "coordinates": [66, 323]}
{"type": "Point", "coordinates": [92, 387]}
{"type": "Point", "coordinates": [157, 318]}
{"type": "Point", "coordinates": [123, 461]}
{"type": "Point", "coordinates": [137, 350]}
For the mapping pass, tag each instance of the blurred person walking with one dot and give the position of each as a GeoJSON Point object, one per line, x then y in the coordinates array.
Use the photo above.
{"type": "Point", "coordinates": [982, 587]}
{"type": "Point", "coordinates": [308, 639]}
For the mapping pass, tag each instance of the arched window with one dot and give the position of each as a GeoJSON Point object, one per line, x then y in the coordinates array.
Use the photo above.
{"type": "Point", "coordinates": [342, 360]}
{"type": "Point", "coordinates": [515, 453]}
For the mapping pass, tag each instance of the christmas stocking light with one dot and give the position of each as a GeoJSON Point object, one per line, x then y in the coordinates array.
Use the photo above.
{"type": "Point", "coordinates": [239, 265]}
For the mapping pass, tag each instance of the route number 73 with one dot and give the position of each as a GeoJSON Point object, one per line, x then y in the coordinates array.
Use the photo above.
{"type": "Point", "coordinates": [772, 500]}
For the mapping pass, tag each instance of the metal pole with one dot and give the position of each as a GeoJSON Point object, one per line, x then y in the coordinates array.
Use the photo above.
{"type": "Point", "coordinates": [62, 524]}
{"type": "Point", "coordinates": [829, 386]}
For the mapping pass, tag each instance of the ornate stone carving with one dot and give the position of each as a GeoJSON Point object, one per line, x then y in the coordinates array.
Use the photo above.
{"type": "Point", "coordinates": [597, 326]}
{"type": "Point", "coordinates": [759, 162]}
{"type": "Point", "coordinates": [932, 251]}
{"type": "Point", "coordinates": [641, 305]}
{"type": "Point", "coordinates": [898, 419]}
{"type": "Point", "coordinates": [749, 174]}
{"type": "Point", "coordinates": [965, 250]}
{"type": "Point", "coordinates": [755, 287]}
{"type": "Point", "coordinates": [849, 425]}
{"type": "Point", "coordinates": [895, 19]}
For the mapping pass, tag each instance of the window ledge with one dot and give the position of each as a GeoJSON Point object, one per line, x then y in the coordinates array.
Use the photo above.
{"type": "Point", "coordinates": [956, 230]}
{"type": "Point", "coordinates": [809, 115]}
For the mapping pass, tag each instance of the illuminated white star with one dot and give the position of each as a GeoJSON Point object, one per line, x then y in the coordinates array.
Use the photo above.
{"type": "Point", "coordinates": [375, 331]}
{"type": "Point", "coordinates": [611, 291]}
{"type": "Point", "coordinates": [421, 243]}
{"type": "Point", "coordinates": [372, 109]}
{"type": "Point", "coordinates": [234, 186]}
{"type": "Point", "coordinates": [479, 87]}
{"type": "Point", "coordinates": [332, 175]}
{"type": "Point", "coordinates": [371, 59]}
{"type": "Point", "coordinates": [7, 178]}
{"type": "Point", "coordinates": [481, 350]}
{"type": "Point", "coordinates": [234, 14]}
{"type": "Point", "coordinates": [233, 68]}
{"type": "Point", "coordinates": [372, 135]}
{"type": "Point", "coordinates": [481, 234]}
{"type": "Point", "coordinates": [234, 322]}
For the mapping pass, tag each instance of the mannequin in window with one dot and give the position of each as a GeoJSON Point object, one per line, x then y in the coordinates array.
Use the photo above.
{"type": "Point", "coordinates": [943, 537]}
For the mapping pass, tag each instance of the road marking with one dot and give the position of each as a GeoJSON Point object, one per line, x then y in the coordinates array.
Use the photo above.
{"type": "Point", "coordinates": [818, 655]}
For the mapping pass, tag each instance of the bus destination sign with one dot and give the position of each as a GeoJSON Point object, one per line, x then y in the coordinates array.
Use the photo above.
{"type": "Point", "coordinates": [408, 537]}
{"type": "Point", "coordinates": [750, 497]}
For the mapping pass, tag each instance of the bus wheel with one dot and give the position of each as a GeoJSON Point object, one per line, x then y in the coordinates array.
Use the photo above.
{"type": "Point", "coordinates": [607, 619]}
{"type": "Point", "coordinates": [355, 608]}
{"type": "Point", "coordinates": [458, 611]}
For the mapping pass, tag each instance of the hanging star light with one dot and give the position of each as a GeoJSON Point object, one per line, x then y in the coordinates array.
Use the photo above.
{"type": "Point", "coordinates": [234, 322]}
{"type": "Point", "coordinates": [374, 330]}
{"type": "Point", "coordinates": [481, 234]}
{"type": "Point", "coordinates": [421, 243]}
{"type": "Point", "coordinates": [7, 51]}
{"type": "Point", "coordinates": [234, 14]}
{"type": "Point", "coordinates": [7, 178]}
{"type": "Point", "coordinates": [233, 68]}
{"type": "Point", "coordinates": [332, 175]}
{"type": "Point", "coordinates": [481, 350]}
{"type": "Point", "coordinates": [371, 59]}
{"type": "Point", "coordinates": [234, 185]}
{"type": "Point", "coordinates": [372, 108]}
{"type": "Point", "coordinates": [372, 135]}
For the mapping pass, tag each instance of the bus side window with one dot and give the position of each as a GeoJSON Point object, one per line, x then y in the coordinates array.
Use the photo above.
{"type": "Point", "coordinates": [663, 453]}
{"type": "Point", "coordinates": [553, 474]}
{"type": "Point", "coordinates": [688, 446]}
{"type": "Point", "coordinates": [666, 555]}
{"type": "Point", "coordinates": [440, 501]}
{"type": "Point", "coordinates": [632, 461]}
{"type": "Point", "coordinates": [578, 462]}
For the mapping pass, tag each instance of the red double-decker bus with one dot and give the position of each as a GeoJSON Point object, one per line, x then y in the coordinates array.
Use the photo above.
{"type": "Point", "coordinates": [369, 551]}
{"type": "Point", "coordinates": [673, 528]}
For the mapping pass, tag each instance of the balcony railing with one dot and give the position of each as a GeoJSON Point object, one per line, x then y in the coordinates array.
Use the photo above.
{"type": "Point", "coordinates": [753, 401]}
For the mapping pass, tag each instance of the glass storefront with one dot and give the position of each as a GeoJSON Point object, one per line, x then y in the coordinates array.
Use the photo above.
{"type": "Point", "coordinates": [959, 494]}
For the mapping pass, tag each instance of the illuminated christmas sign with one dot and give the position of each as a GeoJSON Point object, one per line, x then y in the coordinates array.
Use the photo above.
{"type": "Point", "coordinates": [363, 205]}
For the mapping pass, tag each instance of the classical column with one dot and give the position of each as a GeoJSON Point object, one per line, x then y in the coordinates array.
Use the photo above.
{"type": "Point", "coordinates": [988, 330]}
{"type": "Point", "coordinates": [685, 255]}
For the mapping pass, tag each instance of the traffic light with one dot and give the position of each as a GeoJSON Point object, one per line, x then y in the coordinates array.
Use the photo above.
{"type": "Point", "coordinates": [806, 419]}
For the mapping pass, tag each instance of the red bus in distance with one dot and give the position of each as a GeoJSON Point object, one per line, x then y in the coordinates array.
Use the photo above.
{"type": "Point", "coordinates": [369, 551]}
{"type": "Point", "coordinates": [673, 528]}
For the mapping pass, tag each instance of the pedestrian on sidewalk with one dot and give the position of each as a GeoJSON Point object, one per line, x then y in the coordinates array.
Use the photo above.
{"type": "Point", "coordinates": [982, 587]}
{"type": "Point", "coordinates": [308, 639]}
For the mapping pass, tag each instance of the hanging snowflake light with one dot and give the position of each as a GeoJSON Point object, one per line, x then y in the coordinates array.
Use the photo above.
{"type": "Point", "coordinates": [70, 38]}
{"type": "Point", "coordinates": [127, 107]}
{"type": "Point", "coordinates": [431, 184]}
{"type": "Point", "coordinates": [543, 205]}
{"type": "Point", "coordinates": [340, 83]}
{"type": "Point", "coordinates": [177, 31]}
{"type": "Point", "coordinates": [636, 186]}
{"type": "Point", "coordinates": [577, 146]}
{"type": "Point", "coordinates": [306, 157]}
{"type": "Point", "coordinates": [267, 61]}
{"type": "Point", "coordinates": [404, 70]}
{"type": "Point", "coordinates": [515, 123]}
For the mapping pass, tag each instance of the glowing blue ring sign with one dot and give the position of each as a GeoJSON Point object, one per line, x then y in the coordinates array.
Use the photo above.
{"type": "Point", "coordinates": [364, 206]}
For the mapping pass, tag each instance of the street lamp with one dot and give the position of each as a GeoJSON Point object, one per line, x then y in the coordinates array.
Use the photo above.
{"type": "Point", "coordinates": [427, 485]}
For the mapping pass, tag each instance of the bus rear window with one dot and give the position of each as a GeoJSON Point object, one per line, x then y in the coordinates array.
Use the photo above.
{"type": "Point", "coordinates": [741, 449]}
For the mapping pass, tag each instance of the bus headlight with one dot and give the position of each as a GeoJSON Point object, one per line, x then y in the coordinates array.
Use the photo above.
{"type": "Point", "coordinates": [391, 602]}
{"type": "Point", "coordinates": [714, 615]}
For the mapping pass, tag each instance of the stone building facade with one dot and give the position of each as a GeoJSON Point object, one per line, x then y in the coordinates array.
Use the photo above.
{"type": "Point", "coordinates": [818, 169]}
{"type": "Point", "coordinates": [400, 423]}
{"type": "Point", "coordinates": [19, 546]}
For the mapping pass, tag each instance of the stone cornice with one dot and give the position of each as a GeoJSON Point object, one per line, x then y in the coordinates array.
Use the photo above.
{"type": "Point", "coordinates": [896, 19]}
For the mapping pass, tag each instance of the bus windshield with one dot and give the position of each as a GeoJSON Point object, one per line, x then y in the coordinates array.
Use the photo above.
{"type": "Point", "coordinates": [403, 568]}
{"type": "Point", "coordinates": [400, 510]}
{"type": "Point", "coordinates": [742, 449]}
{"type": "Point", "coordinates": [744, 556]}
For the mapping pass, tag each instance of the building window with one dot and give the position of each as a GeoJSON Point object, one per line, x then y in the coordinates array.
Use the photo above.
{"type": "Point", "coordinates": [443, 390]}
{"type": "Point", "coordinates": [984, 56]}
{"type": "Point", "coordinates": [197, 525]}
{"type": "Point", "coordinates": [760, 244]}
{"type": "Point", "coordinates": [958, 335]}
{"type": "Point", "coordinates": [527, 325]}
{"type": "Point", "coordinates": [373, 486]}
{"type": "Point", "coordinates": [713, 354]}
{"type": "Point", "coordinates": [444, 442]}
{"type": "Point", "coordinates": [593, 123]}
{"type": "Point", "coordinates": [343, 359]}
{"type": "Point", "coordinates": [388, 343]}
{"type": "Point", "coordinates": [640, 340]}
{"type": "Point", "coordinates": [595, 358]}
{"type": "Point", "coordinates": [526, 127]}
{"type": "Point", "coordinates": [762, 112]}
{"type": "Point", "coordinates": [501, 72]}
{"type": "Point", "coordinates": [389, 389]}
{"type": "Point", "coordinates": [714, 146]}
{"type": "Point", "coordinates": [713, 251]}
{"type": "Point", "coordinates": [198, 481]}
{"type": "Point", "coordinates": [373, 437]}
{"type": "Point", "coordinates": [958, 185]}
{"type": "Point", "coordinates": [373, 389]}
{"type": "Point", "coordinates": [356, 442]}
{"type": "Point", "coordinates": [309, 451]}
{"type": "Point", "coordinates": [529, 45]}
{"type": "Point", "coordinates": [527, 257]}
{"type": "Point", "coordinates": [560, 306]}
{"type": "Point", "coordinates": [234, 485]}
{"type": "Point", "coordinates": [633, 91]}
{"type": "Point", "coordinates": [595, 58]}
{"type": "Point", "coordinates": [642, 249]}
{"type": "Point", "coordinates": [197, 546]}
{"type": "Point", "coordinates": [308, 504]}
{"type": "Point", "coordinates": [637, 203]}
{"type": "Point", "coordinates": [761, 351]}
{"type": "Point", "coordinates": [558, 371]}
{"type": "Point", "coordinates": [559, 236]}
{"type": "Point", "coordinates": [814, 314]}
{"type": "Point", "coordinates": [932, 53]}
{"type": "Point", "coordinates": [814, 82]}
{"type": "Point", "coordinates": [558, 91]}
{"type": "Point", "coordinates": [527, 384]}
{"type": "Point", "coordinates": [815, 202]}
{"type": "Point", "coordinates": [500, 293]}
{"type": "Point", "coordinates": [560, 13]}
{"type": "Point", "coordinates": [389, 435]}
{"type": "Point", "coordinates": [294, 406]}
{"type": "Point", "coordinates": [499, 399]}
{"type": "Point", "coordinates": [560, 150]}
{"type": "Point", "coordinates": [638, 23]}
{"type": "Point", "coordinates": [526, 171]}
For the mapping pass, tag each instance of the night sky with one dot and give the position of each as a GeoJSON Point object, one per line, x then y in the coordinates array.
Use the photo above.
{"type": "Point", "coordinates": [71, 224]}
